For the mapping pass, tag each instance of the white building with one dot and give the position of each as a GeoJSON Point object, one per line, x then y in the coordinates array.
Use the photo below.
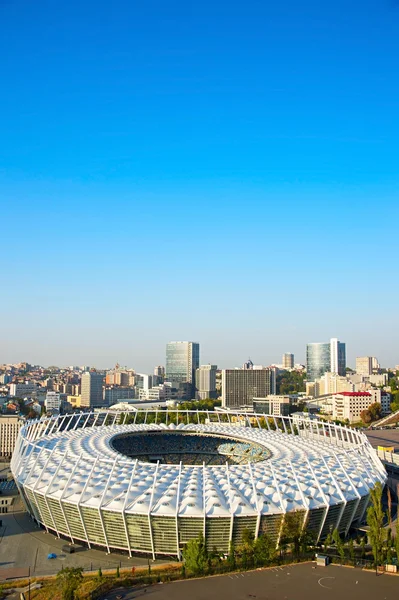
{"type": "Point", "coordinates": [52, 401]}
{"type": "Point", "coordinates": [275, 404]}
{"type": "Point", "coordinates": [9, 429]}
{"type": "Point", "coordinates": [349, 405]}
{"type": "Point", "coordinates": [205, 381]}
{"type": "Point", "coordinates": [22, 390]}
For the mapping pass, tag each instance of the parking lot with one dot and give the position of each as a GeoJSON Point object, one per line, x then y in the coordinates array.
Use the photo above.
{"type": "Point", "coordinates": [25, 546]}
{"type": "Point", "coordinates": [296, 582]}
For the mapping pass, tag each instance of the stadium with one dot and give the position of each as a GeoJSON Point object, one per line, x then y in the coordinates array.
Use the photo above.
{"type": "Point", "coordinates": [149, 481]}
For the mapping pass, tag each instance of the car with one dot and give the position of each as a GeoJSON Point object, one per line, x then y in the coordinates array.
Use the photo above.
{"type": "Point", "coordinates": [51, 555]}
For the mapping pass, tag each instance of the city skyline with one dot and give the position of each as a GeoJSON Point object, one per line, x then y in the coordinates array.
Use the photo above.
{"type": "Point", "coordinates": [267, 358]}
{"type": "Point", "coordinates": [235, 187]}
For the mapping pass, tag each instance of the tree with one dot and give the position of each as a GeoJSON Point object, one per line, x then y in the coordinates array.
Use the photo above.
{"type": "Point", "coordinates": [117, 571]}
{"type": "Point", "coordinates": [293, 530]}
{"type": "Point", "coordinates": [339, 544]}
{"type": "Point", "coordinates": [389, 547]}
{"type": "Point", "coordinates": [365, 416]}
{"type": "Point", "coordinates": [231, 559]}
{"type": "Point", "coordinates": [375, 521]}
{"type": "Point", "coordinates": [264, 550]}
{"type": "Point", "coordinates": [195, 555]}
{"type": "Point", "coordinates": [351, 550]}
{"type": "Point", "coordinates": [68, 580]}
{"type": "Point", "coordinates": [375, 411]}
{"type": "Point", "coordinates": [99, 573]}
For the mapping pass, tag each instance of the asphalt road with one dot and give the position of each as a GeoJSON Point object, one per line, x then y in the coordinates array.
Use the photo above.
{"type": "Point", "coordinates": [297, 582]}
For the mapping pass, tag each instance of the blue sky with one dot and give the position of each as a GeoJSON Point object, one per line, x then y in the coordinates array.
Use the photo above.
{"type": "Point", "coordinates": [222, 172]}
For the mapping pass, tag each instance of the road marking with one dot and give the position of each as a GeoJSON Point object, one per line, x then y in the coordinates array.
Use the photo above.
{"type": "Point", "coordinates": [325, 586]}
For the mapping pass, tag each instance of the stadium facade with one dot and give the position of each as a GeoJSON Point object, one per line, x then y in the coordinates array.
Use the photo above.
{"type": "Point", "coordinates": [149, 482]}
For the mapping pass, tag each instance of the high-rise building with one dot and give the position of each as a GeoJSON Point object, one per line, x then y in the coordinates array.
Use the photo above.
{"type": "Point", "coordinates": [92, 390]}
{"type": "Point", "coordinates": [325, 357]}
{"type": "Point", "coordinates": [205, 381]}
{"type": "Point", "coordinates": [338, 357]}
{"type": "Point", "coordinates": [367, 365]}
{"type": "Point", "coordinates": [317, 360]}
{"type": "Point", "coordinates": [288, 361]}
{"type": "Point", "coordinates": [241, 386]}
{"type": "Point", "coordinates": [182, 361]}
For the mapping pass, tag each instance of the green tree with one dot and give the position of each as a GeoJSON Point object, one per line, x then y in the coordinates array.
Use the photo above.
{"type": "Point", "coordinates": [339, 544]}
{"type": "Point", "coordinates": [195, 555]}
{"type": "Point", "coordinates": [264, 550]}
{"type": "Point", "coordinates": [117, 571]}
{"type": "Point", "coordinates": [375, 411]}
{"type": "Point", "coordinates": [231, 559]}
{"type": "Point", "coordinates": [293, 530]}
{"type": "Point", "coordinates": [363, 547]}
{"type": "Point", "coordinates": [99, 573]}
{"type": "Point", "coordinates": [388, 553]}
{"type": "Point", "coordinates": [351, 550]}
{"type": "Point", "coordinates": [375, 521]}
{"type": "Point", "coordinates": [68, 581]}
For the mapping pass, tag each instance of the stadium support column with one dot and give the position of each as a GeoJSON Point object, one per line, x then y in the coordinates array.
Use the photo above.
{"type": "Point", "coordinates": [102, 500]}
{"type": "Point", "coordinates": [81, 498]}
{"type": "Point", "coordinates": [177, 510]}
{"type": "Point", "coordinates": [203, 497]}
{"type": "Point", "coordinates": [230, 503]}
{"type": "Point", "coordinates": [337, 486]}
{"type": "Point", "coordinates": [62, 496]}
{"type": "Point", "coordinates": [149, 510]}
{"type": "Point", "coordinates": [305, 502]}
{"type": "Point", "coordinates": [280, 501]}
{"type": "Point", "coordinates": [44, 492]}
{"type": "Point", "coordinates": [251, 475]}
{"type": "Point", "coordinates": [325, 499]}
{"type": "Point", "coordinates": [352, 486]}
{"type": "Point", "coordinates": [124, 508]}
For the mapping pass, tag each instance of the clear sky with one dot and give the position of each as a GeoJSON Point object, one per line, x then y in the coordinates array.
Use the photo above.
{"type": "Point", "coordinates": [222, 172]}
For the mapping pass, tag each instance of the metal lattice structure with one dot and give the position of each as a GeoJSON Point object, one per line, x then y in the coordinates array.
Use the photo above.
{"type": "Point", "coordinates": [77, 485]}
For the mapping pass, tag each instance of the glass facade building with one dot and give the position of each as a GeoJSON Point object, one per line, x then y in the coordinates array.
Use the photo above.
{"type": "Point", "coordinates": [318, 360]}
{"type": "Point", "coordinates": [182, 361]}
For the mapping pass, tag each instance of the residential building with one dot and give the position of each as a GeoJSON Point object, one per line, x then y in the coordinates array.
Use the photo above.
{"type": "Point", "coordinates": [206, 382]}
{"type": "Point", "coordinates": [92, 389]}
{"type": "Point", "coordinates": [288, 361]}
{"type": "Point", "coordinates": [112, 395]}
{"type": "Point", "coordinates": [275, 405]}
{"type": "Point", "coordinates": [182, 361]}
{"type": "Point", "coordinates": [241, 386]}
{"type": "Point", "coordinates": [9, 429]}
{"type": "Point", "coordinates": [23, 390]}
{"type": "Point", "coordinates": [349, 405]}
{"type": "Point", "coordinates": [367, 365]}
{"type": "Point", "coordinates": [52, 401]}
{"type": "Point", "coordinates": [324, 357]}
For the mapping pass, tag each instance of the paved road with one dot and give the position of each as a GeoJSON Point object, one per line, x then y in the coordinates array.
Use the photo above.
{"type": "Point", "coordinates": [298, 582]}
{"type": "Point", "coordinates": [383, 437]}
{"type": "Point", "coordinates": [23, 544]}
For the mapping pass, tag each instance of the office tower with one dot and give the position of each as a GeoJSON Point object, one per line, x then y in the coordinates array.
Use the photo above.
{"type": "Point", "coordinates": [159, 371]}
{"type": "Point", "coordinates": [92, 389]}
{"type": "Point", "coordinates": [325, 357]}
{"type": "Point", "coordinates": [205, 381]}
{"type": "Point", "coordinates": [182, 361]}
{"type": "Point", "coordinates": [337, 357]}
{"type": "Point", "coordinates": [364, 365]}
{"type": "Point", "coordinates": [318, 357]}
{"type": "Point", "coordinates": [248, 365]}
{"type": "Point", "coordinates": [241, 386]}
{"type": "Point", "coordinates": [288, 361]}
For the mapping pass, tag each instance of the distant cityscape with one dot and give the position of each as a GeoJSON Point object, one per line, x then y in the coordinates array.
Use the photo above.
{"type": "Point", "coordinates": [325, 385]}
